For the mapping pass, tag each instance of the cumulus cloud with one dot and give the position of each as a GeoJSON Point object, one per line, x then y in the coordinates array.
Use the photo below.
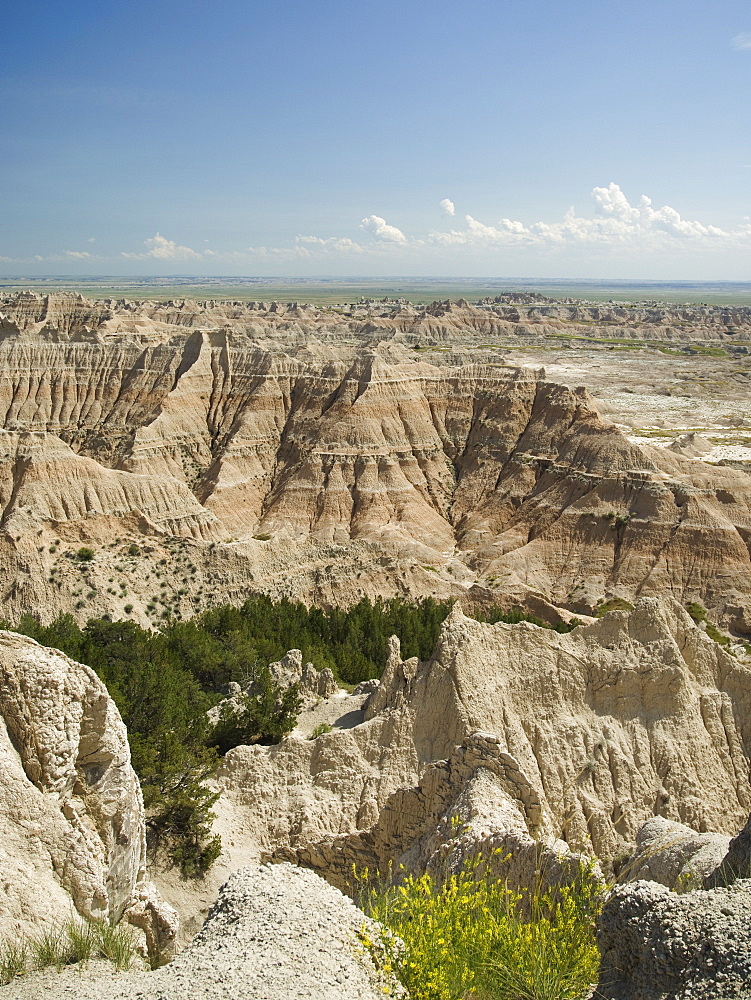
{"type": "Point", "coordinates": [616, 222]}
{"type": "Point", "coordinates": [160, 248]}
{"type": "Point", "coordinates": [742, 41]}
{"type": "Point", "coordinates": [615, 225]}
{"type": "Point", "coordinates": [382, 230]}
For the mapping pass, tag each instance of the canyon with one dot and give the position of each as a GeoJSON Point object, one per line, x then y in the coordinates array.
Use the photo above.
{"type": "Point", "coordinates": [588, 464]}
{"type": "Point", "coordinates": [328, 454]}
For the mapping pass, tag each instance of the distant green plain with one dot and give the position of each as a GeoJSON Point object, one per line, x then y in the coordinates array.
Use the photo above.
{"type": "Point", "coordinates": [324, 291]}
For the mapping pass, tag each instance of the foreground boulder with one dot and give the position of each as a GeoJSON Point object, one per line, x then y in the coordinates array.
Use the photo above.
{"type": "Point", "coordinates": [71, 813]}
{"type": "Point", "coordinates": [656, 945]}
{"type": "Point", "coordinates": [275, 933]}
{"type": "Point", "coordinates": [675, 855]}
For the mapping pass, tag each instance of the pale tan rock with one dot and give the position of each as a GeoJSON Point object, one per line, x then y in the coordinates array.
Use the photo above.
{"type": "Point", "coordinates": [675, 855]}
{"type": "Point", "coordinates": [323, 459]}
{"type": "Point", "coordinates": [523, 734]}
{"type": "Point", "coordinates": [71, 812]}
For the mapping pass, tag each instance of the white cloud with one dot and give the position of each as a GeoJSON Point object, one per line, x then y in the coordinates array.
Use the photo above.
{"type": "Point", "coordinates": [160, 248]}
{"type": "Point", "coordinates": [380, 228]}
{"type": "Point", "coordinates": [448, 206]}
{"type": "Point", "coordinates": [615, 226]}
{"type": "Point", "coordinates": [615, 222]}
{"type": "Point", "coordinates": [339, 245]}
{"type": "Point", "coordinates": [742, 41]}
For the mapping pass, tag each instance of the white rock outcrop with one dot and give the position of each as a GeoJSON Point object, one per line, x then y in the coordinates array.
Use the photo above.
{"type": "Point", "coordinates": [574, 739]}
{"type": "Point", "coordinates": [71, 813]}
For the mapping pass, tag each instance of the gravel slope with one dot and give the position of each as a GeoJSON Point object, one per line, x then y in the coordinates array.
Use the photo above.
{"type": "Point", "coordinates": [276, 933]}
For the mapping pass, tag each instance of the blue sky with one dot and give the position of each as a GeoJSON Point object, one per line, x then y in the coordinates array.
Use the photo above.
{"type": "Point", "coordinates": [412, 138]}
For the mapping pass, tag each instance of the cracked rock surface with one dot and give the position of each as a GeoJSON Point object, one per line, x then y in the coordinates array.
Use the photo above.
{"type": "Point", "coordinates": [656, 945]}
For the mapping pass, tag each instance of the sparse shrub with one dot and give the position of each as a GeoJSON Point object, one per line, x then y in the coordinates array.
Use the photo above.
{"type": "Point", "coordinates": [614, 604]}
{"type": "Point", "coordinates": [262, 538]}
{"type": "Point", "coordinates": [264, 716]}
{"type": "Point", "coordinates": [133, 550]}
{"type": "Point", "coordinates": [81, 937]}
{"type": "Point", "coordinates": [321, 729]}
{"type": "Point", "coordinates": [49, 947]}
{"type": "Point", "coordinates": [714, 633]}
{"type": "Point", "coordinates": [74, 941]}
{"type": "Point", "coordinates": [128, 608]}
{"type": "Point", "coordinates": [84, 554]}
{"type": "Point", "coordinates": [178, 803]}
{"type": "Point", "coordinates": [115, 942]}
{"type": "Point", "coordinates": [697, 612]}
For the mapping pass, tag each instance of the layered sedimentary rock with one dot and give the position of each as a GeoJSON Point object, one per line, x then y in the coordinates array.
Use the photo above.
{"type": "Point", "coordinates": [71, 317]}
{"type": "Point", "coordinates": [330, 470]}
{"type": "Point", "coordinates": [520, 736]}
{"type": "Point", "coordinates": [71, 811]}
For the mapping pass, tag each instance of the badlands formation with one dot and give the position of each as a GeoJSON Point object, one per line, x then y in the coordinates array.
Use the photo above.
{"type": "Point", "coordinates": [71, 813]}
{"type": "Point", "coordinates": [524, 735]}
{"type": "Point", "coordinates": [328, 454]}
{"type": "Point", "coordinates": [156, 459]}
{"type": "Point", "coordinates": [512, 740]}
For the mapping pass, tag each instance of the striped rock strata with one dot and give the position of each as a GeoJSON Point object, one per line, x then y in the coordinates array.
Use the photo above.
{"type": "Point", "coordinates": [330, 471]}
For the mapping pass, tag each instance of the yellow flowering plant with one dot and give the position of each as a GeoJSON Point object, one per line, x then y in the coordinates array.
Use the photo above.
{"type": "Point", "coordinates": [470, 935]}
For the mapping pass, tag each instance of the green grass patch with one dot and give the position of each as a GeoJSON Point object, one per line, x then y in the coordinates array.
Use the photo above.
{"type": "Point", "coordinates": [75, 941]}
{"type": "Point", "coordinates": [714, 633]}
{"type": "Point", "coordinates": [614, 604]}
{"type": "Point", "coordinates": [697, 612]}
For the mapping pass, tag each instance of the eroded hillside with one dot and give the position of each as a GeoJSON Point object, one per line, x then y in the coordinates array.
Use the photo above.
{"type": "Point", "coordinates": [201, 450]}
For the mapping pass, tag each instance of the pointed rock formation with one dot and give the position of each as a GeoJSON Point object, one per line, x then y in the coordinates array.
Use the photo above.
{"type": "Point", "coordinates": [516, 732]}
{"type": "Point", "coordinates": [71, 812]}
